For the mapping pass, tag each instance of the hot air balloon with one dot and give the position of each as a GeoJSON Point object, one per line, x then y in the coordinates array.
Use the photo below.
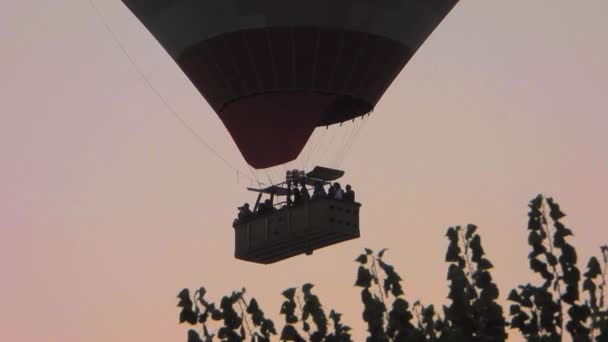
{"type": "Point", "coordinates": [274, 70]}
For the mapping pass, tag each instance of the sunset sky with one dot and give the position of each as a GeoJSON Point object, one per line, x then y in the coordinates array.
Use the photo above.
{"type": "Point", "coordinates": [109, 206]}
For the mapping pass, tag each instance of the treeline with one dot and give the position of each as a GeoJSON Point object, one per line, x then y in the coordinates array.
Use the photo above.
{"type": "Point", "coordinates": [567, 302]}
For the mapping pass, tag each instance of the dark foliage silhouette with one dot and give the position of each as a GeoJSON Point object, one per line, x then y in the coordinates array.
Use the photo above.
{"type": "Point", "coordinates": [565, 303]}
{"type": "Point", "coordinates": [541, 313]}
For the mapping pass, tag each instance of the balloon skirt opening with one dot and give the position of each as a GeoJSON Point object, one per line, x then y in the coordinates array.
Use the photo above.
{"type": "Point", "coordinates": [272, 129]}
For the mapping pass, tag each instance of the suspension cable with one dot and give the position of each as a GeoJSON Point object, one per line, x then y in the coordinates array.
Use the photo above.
{"type": "Point", "coordinates": [179, 118]}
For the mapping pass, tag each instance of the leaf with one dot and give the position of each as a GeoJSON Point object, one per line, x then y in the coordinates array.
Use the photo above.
{"type": "Point", "coordinates": [201, 292]}
{"type": "Point", "coordinates": [364, 277]}
{"type": "Point", "coordinates": [334, 315]}
{"type": "Point", "coordinates": [538, 266]}
{"type": "Point", "coordinates": [555, 212]}
{"type": "Point", "coordinates": [519, 321]}
{"type": "Point", "coordinates": [536, 202]}
{"type": "Point", "coordinates": [429, 312]}
{"type": "Point", "coordinates": [387, 286]}
{"type": "Point", "coordinates": [490, 293]}
{"type": "Point", "coordinates": [289, 293]}
{"type": "Point", "coordinates": [453, 252]}
{"type": "Point", "coordinates": [571, 294]}
{"type": "Point", "coordinates": [471, 228]}
{"type": "Point", "coordinates": [514, 309]}
{"type": "Point", "coordinates": [382, 251]}
{"type": "Point", "coordinates": [484, 264]}
{"type": "Point", "coordinates": [589, 285]}
{"type": "Point", "coordinates": [306, 288]}
{"type": "Point", "coordinates": [568, 255]}
{"type": "Point", "coordinates": [515, 297]}
{"type": "Point", "coordinates": [193, 336]}
{"type": "Point", "coordinates": [184, 298]}
{"type": "Point", "coordinates": [305, 326]}
{"type": "Point", "coordinates": [203, 317]}
{"type": "Point", "coordinates": [593, 268]}
{"type": "Point", "coordinates": [291, 319]}
{"type": "Point", "coordinates": [461, 262]}
{"type": "Point", "coordinates": [188, 315]}
{"type": "Point", "coordinates": [476, 248]}
{"type": "Point", "coordinates": [235, 297]}
{"type": "Point", "coordinates": [535, 216]}
{"type": "Point", "coordinates": [562, 230]}
{"type": "Point", "coordinates": [579, 312]}
{"type": "Point", "coordinates": [482, 279]}
{"type": "Point", "coordinates": [253, 306]}
{"type": "Point", "coordinates": [571, 276]}
{"type": "Point", "coordinates": [551, 259]}
{"type": "Point", "coordinates": [289, 333]}
{"type": "Point", "coordinates": [229, 335]}
{"type": "Point", "coordinates": [268, 327]}
{"type": "Point", "coordinates": [558, 240]}
{"type": "Point", "coordinates": [288, 307]}
{"type": "Point", "coordinates": [452, 234]}
{"type": "Point", "coordinates": [216, 314]}
{"type": "Point", "coordinates": [534, 223]}
{"type": "Point", "coordinates": [396, 290]}
{"type": "Point", "coordinates": [534, 239]}
{"type": "Point", "coordinates": [362, 259]}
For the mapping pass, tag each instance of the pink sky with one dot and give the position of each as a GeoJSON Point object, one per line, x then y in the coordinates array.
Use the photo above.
{"type": "Point", "coordinates": [108, 207]}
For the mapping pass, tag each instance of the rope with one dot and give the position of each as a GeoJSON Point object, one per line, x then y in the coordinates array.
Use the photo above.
{"type": "Point", "coordinates": [348, 140]}
{"type": "Point", "coordinates": [352, 140]}
{"type": "Point", "coordinates": [183, 122]}
{"type": "Point", "coordinates": [255, 174]}
{"type": "Point", "coordinates": [314, 145]}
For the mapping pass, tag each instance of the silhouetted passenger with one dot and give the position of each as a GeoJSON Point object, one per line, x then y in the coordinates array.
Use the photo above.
{"type": "Point", "coordinates": [338, 192]}
{"type": "Point", "coordinates": [288, 198]}
{"type": "Point", "coordinates": [268, 207]}
{"type": "Point", "coordinates": [244, 214]}
{"type": "Point", "coordinates": [319, 191]}
{"type": "Point", "coordinates": [304, 192]}
{"type": "Point", "coordinates": [297, 196]}
{"type": "Point", "coordinates": [261, 209]}
{"type": "Point", "coordinates": [349, 195]}
{"type": "Point", "coordinates": [244, 210]}
{"type": "Point", "coordinates": [331, 191]}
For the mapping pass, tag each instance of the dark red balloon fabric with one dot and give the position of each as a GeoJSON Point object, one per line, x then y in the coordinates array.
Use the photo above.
{"type": "Point", "coordinates": [272, 86]}
{"type": "Point", "coordinates": [271, 129]}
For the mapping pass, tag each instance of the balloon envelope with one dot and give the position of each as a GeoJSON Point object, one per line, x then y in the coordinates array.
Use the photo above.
{"type": "Point", "coordinates": [273, 70]}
